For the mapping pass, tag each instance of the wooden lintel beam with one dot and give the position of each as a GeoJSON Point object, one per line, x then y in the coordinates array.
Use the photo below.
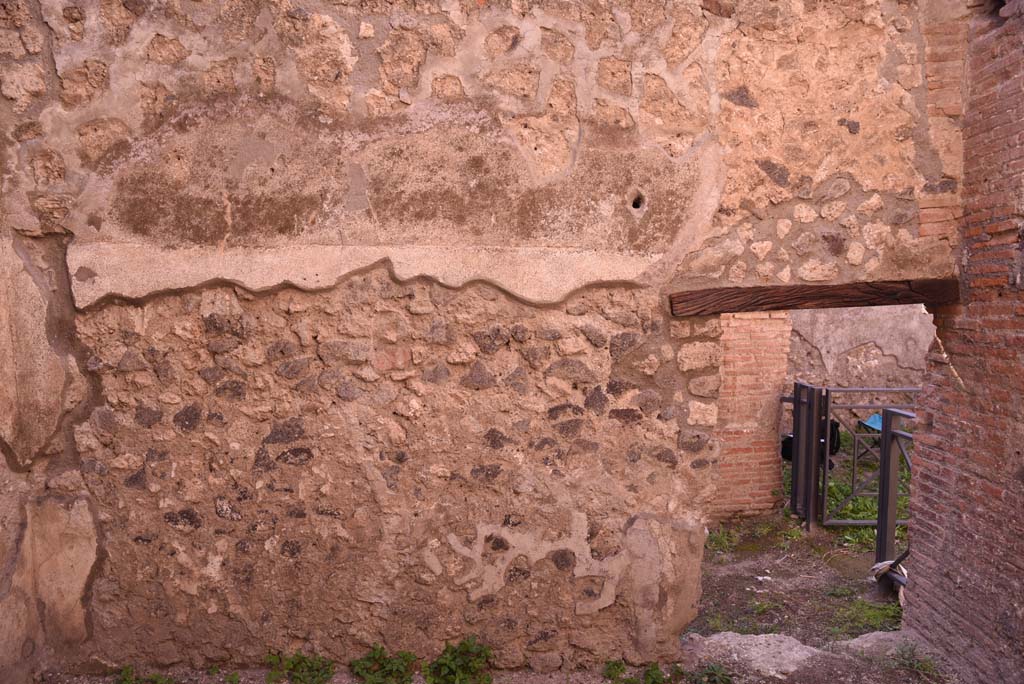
{"type": "Point", "coordinates": [774, 298]}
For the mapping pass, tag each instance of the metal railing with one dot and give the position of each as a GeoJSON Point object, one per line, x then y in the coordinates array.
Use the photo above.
{"type": "Point", "coordinates": [893, 440]}
{"type": "Point", "coordinates": [873, 465]}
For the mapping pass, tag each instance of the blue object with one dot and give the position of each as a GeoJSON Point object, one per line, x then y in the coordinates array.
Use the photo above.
{"type": "Point", "coordinates": [874, 421]}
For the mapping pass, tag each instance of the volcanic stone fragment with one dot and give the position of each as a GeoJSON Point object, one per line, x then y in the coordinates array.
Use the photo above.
{"type": "Point", "coordinates": [232, 389]}
{"type": "Point", "coordinates": [222, 507]}
{"type": "Point", "coordinates": [436, 374]}
{"type": "Point", "coordinates": [778, 173]}
{"type": "Point", "coordinates": [487, 472]}
{"type": "Point", "coordinates": [621, 344]}
{"type": "Point", "coordinates": [666, 456]}
{"type": "Point", "coordinates": [136, 480]}
{"type": "Point", "coordinates": [293, 368]}
{"type": "Point", "coordinates": [596, 401]}
{"type": "Point", "coordinates": [146, 416]}
{"type": "Point", "coordinates": [297, 456]}
{"type": "Point", "coordinates": [556, 412]}
{"type": "Point", "coordinates": [188, 418]}
{"type": "Point", "coordinates": [285, 431]}
{"type": "Point", "coordinates": [186, 518]}
{"type": "Point", "coordinates": [496, 439]}
{"type": "Point", "coordinates": [741, 97]}
{"type": "Point", "coordinates": [626, 415]}
{"type": "Point", "coordinates": [491, 340]}
{"type": "Point", "coordinates": [572, 370]}
{"type": "Point", "coordinates": [564, 559]}
{"type": "Point", "coordinates": [212, 374]}
{"type": "Point", "coordinates": [594, 335]}
{"type": "Point", "coordinates": [478, 377]}
{"type": "Point", "coordinates": [570, 428]}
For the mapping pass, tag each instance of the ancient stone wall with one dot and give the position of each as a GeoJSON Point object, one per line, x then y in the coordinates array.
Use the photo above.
{"type": "Point", "coordinates": [878, 346]}
{"type": "Point", "coordinates": [968, 488]}
{"type": "Point", "coordinates": [329, 323]}
{"type": "Point", "coordinates": [393, 460]}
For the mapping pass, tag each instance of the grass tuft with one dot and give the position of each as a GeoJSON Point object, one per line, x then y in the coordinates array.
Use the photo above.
{"type": "Point", "coordinates": [722, 540]}
{"type": "Point", "coordinates": [299, 668]}
{"type": "Point", "coordinates": [907, 658]}
{"type": "Point", "coordinates": [861, 617]}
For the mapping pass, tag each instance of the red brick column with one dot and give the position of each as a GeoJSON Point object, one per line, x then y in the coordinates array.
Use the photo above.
{"type": "Point", "coordinates": [966, 594]}
{"type": "Point", "coordinates": [944, 28]}
{"type": "Point", "coordinates": [755, 354]}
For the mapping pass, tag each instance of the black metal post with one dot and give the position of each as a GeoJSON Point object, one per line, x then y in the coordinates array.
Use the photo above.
{"type": "Point", "coordinates": [796, 471]}
{"type": "Point", "coordinates": [812, 456]}
{"type": "Point", "coordinates": [888, 489]}
{"type": "Point", "coordinates": [808, 428]}
{"type": "Point", "coordinates": [826, 444]}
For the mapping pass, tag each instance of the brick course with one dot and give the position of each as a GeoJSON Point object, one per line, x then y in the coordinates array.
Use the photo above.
{"type": "Point", "coordinates": [967, 522]}
{"type": "Point", "coordinates": [755, 354]}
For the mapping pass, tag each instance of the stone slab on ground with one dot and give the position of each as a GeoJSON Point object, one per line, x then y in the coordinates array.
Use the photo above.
{"type": "Point", "coordinates": [773, 655]}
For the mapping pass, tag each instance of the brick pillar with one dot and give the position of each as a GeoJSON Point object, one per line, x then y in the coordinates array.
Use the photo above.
{"type": "Point", "coordinates": [944, 28]}
{"type": "Point", "coordinates": [966, 592]}
{"type": "Point", "coordinates": [755, 354]}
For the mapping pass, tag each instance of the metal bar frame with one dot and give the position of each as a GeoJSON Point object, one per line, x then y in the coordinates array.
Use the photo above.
{"type": "Point", "coordinates": [813, 409]}
{"type": "Point", "coordinates": [805, 493]}
{"type": "Point", "coordinates": [862, 447]}
{"type": "Point", "coordinates": [811, 462]}
{"type": "Point", "coordinates": [888, 486]}
{"type": "Point", "coordinates": [794, 471]}
{"type": "Point", "coordinates": [892, 390]}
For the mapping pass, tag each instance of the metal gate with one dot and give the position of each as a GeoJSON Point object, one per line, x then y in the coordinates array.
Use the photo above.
{"type": "Point", "coordinates": [880, 449]}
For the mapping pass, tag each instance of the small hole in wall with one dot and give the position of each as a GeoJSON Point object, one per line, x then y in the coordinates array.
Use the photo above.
{"type": "Point", "coordinates": [638, 201]}
{"type": "Point", "coordinates": [995, 9]}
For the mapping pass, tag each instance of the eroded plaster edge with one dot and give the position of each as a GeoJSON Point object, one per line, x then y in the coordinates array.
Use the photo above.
{"type": "Point", "coordinates": [535, 275]}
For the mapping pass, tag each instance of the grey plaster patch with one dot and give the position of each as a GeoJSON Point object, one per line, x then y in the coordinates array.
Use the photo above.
{"type": "Point", "coordinates": [533, 274]}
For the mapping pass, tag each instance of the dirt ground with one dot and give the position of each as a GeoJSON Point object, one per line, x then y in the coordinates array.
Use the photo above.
{"type": "Point", "coordinates": [765, 575]}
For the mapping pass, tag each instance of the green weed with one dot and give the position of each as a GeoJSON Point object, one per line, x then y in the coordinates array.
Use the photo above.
{"type": "Point", "coordinates": [860, 538]}
{"type": "Point", "coordinates": [863, 616]}
{"type": "Point", "coordinates": [865, 505]}
{"type": "Point", "coordinates": [787, 484]}
{"type": "Point", "coordinates": [378, 667]}
{"type": "Point", "coordinates": [722, 540]}
{"type": "Point", "coordinates": [299, 668]}
{"type": "Point", "coordinates": [465, 663]}
{"type": "Point", "coordinates": [789, 536]}
{"type": "Point", "coordinates": [614, 670]}
{"type": "Point", "coordinates": [653, 675]}
{"type": "Point", "coordinates": [127, 676]}
{"type": "Point", "coordinates": [907, 658]}
{"type": "Point", "coordinates": [718, 623]}
{"type": "Point", "coordinates": [711, 674]}
{"type": "Point", "coordinates": [743, 625]}
{"type": "Point", "coordinates": [841, 592]}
